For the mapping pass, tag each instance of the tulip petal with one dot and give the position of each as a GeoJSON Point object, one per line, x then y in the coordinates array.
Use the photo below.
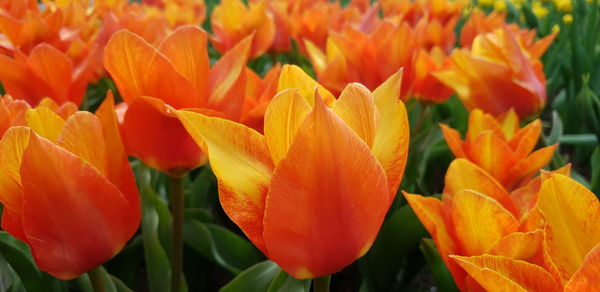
{"type": "Point", "coordinates": [118, 169]}
{"type": "Point", "coordinates": [430, 212]}
{"type": "Point", "coordinates": [498, 273]}
{"type": "Point", "coordinates": [390, 145]}
{"type": "Point", "coordinates": [186, 49]}
{"type": "Point", "coordinates": [356, 107]}
{"type": "Point", "coordinates": [293, 76]}
{"type": "Point", "coordinates": [463, 174]}
{"type": "Point", "coordinates": [453, 140]}
{"type": "Point", "coordinates": [529, 166]}
{"type": "Point", "coordinates": [240, 159]}
{"type": "Point", "coordinates": [20, 82]}
{"type": "Point", "coordinates": [138, 69]}
{"type": "Point", "coordinates": [519, 245]}
{"type": "Point", "coordinates": [283, 117]}
{"type": "Point", "coordinates": [74, 218]}
{"type": "Point", "coordinates": [322, 211]}
{"type": "Point", "coordinates": [54, 68]}
{"type": "Point", "coordinates": [572, 215]}
{"type": "Point", "coordinates": [227, 80]}
{"type": "Point", "coordinates": [525, 139]}
{"type": "Point", "coordinates": [82, 136]}
{"type": "Point", "coordinates": [587, 278]}
{"type": "Point", "coordinates": [492, 154]}
{"type": "Point", "coordinates": [480, 221]}
{"type": "Point", "coordinates": [44, 122]}
{"type": "Point", "coordinates": [158, 138]}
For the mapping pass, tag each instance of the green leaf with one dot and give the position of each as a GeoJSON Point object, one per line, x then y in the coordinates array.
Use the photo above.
{"type": "Point", "coordinates": [557, 129]}
{"type": "Point", "coordinates": [220, 246]}
{"type": "Point", "coordinates": [257, 278]}
{"type": "Point", "coordinates": [579, 139]}
{"type": "Point", "coordinates": [438, 268]}
{"type": "Point", "coordinates": [596, 172]}
{"type": "Point", "coordinates": [17, 254]}
{"type": "Point", "coordinates": [283, 282]}
{"type": "Point", "coordinates": [400, 234]}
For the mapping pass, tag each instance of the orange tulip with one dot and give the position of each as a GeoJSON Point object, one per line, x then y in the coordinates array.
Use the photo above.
{"type": "Point", "coordinates": [497, 74]}
{"type": "Point", "coordinates": [67, 189]}
{"type": "Point", "coordinates": [46, 72]}
{"type": "Point", "coordinates": [571, 246]}
{"type": "Point", "coordinates": [309, 205]}
{"type": "Point", "coordinates": [259, 93]}
{"type": "Point", "coordinates": [175, 74]}
{"type": "Point", "coordinates": [500, 147]}
{"type": "Point", "coordinates": [475, 216]}
{"type": "Point", "coordinates": [181, 12]}
{"type": "Point", "coordinates": [232, 21]}
{"type": "Point", "coordinates": [413, 11]}
{"type": "Point", "coordinates": [480, 23]}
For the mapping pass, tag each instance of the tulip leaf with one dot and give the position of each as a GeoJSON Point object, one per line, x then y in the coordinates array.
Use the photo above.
{"type": "Point", "coordinates": [284, 282]}
{"type": "Point", "coordinates": [438, 268]}
{"type": "Point", "coordinates": [220, 246]}
{"type": "Point", "coordinates": [557, 130]}
{"type": "Point", "coordinates": [157, 261]}
{"type": "Point", "coordinates": [596, 172]}
{"type": "Point", "coordinates": [256, 278]}
{"type": "Point", "coordinates": [400, 233]}
{"type": "Point", "coordinates": [18, 256]}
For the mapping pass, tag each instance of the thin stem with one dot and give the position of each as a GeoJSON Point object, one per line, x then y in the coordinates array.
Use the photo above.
{"type": "Point", "coordinates": [177, 233]}
{"type": "Point", "coordinates": [95, 276]}
{"type": "Point", "coordinates": [321, 284]}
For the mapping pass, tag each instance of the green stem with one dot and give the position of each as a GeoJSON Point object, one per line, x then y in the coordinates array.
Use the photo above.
{"type": "Point", "coordinates": [177, 233]}
{"type": "Point", "coordinates": [95, 276]}
{"type": "Point", "coordinates": [321, 284]}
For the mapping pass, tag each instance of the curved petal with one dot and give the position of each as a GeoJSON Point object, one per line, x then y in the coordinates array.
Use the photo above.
{"type": "Point", "coordinates": [492, 154]}
{"type": "Point", "coordinates": [356, 107]}
{"type": "Point", "coordinates": [497, 273]}
{"type": "Point", "coordinates": [587, 278]}
{"type": "Point", "coordinates": [293, 76]}
{"type": "Point", "coordinates": [572, 215]}
{"type": "Point", "coordinates": [480, 221]}
{"type": "Point", "coordinates": [54, 67]}
{"type": "Point", "coordinates": [325, 203]}
{"type": "Point", "coordinates": [240, 159]}
{"type": "Point", "coordinates": [82, 136]}
{"type": "Point", "coordinates": [463, 174]}
{"type": "Point", "coordinates": [158, 138]}
{"type": "Point", "coordinates": [62, 198]}
{"type": "Point", "coordinates": [138, 69]}
{"type": "Point", "coordinates": [186, 49]}
{"type": "Point", "coordinates": [283, 117]}
{"type": "Point", "coordinates": [453, 140]}
{"type": "Point", "coordinates": [525, 139]}
{"type": "Point", "coordinates": [390, 145]}
{"type": "Point", "coordinates": [44, 122]}
{"type": "Point", "coordinates": [519, 245]}
{"type": "Point", "coordinates": [528, 166]}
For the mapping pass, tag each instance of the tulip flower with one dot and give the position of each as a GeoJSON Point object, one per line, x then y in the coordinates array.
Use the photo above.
{"type": "Point", "coordinates": [259, 93]}
{"type": "Point", "coordinates": [310, 205]}
{"type": "Point", "coordinates": [67, 189]}
{"type": "Point", "coordinates": [232, 21]}
{"type": "Point", "coordinates": [571, 246]}
{"type": "Point", "coordinates": [45, 72]}
{"type": "Point", "coordinates": [176, 74]}
{"type": "Point", "coordinates": [480, 23]}
{"type": "Point", "coordinates": [497, 74]}
{"type": "Point", "coordinates": [440, 10]}
{"type": "Point", "coordinates": [500, 147]}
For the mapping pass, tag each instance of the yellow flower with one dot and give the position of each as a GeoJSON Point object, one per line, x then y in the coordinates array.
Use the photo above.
{"type": "Point", "coordinates": [500, 5]}
{"type": "Point", "coordinates": [485, 3]}
{"type": "Point", "coordinates": [563, 5]}
{"type": "Point", "coordinates": [567, 18]}
{"type": "Point", "coordinates": [539, 10]}
{"type": "Point", "coordinates": [555, 28]}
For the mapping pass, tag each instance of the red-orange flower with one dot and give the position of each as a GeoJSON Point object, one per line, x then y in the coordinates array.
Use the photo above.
{"type": "Point", "coordinates": [499, 73]}
{"type": "Point", "coordinates": [232, 21]}
{"type": "Point", "coordinates": [500, 147]}
{"type": "Point", "coordinates": [177, 74]}
{"type": "Point", "coordinates": [259, 93]}
{"type": "Point", "coordinates": [67, 189]}
{"type": "Point", "coordinates": [310, 205]}
{"type": "Point", "coordinates": [45, 72]}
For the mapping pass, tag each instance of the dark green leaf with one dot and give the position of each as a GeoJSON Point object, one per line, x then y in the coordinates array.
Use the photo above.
{"type": "Point", "coordinates": [438, 268]}
{"type": "Point", "coordinates": [257, 278]}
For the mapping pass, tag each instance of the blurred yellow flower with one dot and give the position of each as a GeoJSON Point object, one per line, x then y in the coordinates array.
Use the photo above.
{"type": "Point", "coordinates": [539, 10]}
{"type": "Point", "coordinates": [555, 28]}
{"type": "Point", "coordinates": [485, 3]}
{"type": "Point", "coordinates": [563, 5]}
{"type": "Point", "coordinates": [568, 18]}
{"type": "Point", "coordinates": [500, 5]}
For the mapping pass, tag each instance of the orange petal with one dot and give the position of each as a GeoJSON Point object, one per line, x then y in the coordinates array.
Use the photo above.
{"type": "Point", "coordinates": [240, 159]}
{"type": "Point", "coordinates": [118, 169]}
{"type": "Point", "coordinates": [390, 145]}
{"type": "Point", "coordinates": [480, 122]}
{"type": "Point", "coordinates": [283, 117]}
{"type": "Point", "coordinates": [138, 69]}
{"type": "Point", "coordinates": [356, 107]}
{"type": "Point", "coordinates": [59, 187]}
{"type": "Point", "coordinates": [293, 76]}
{"type": "Point", "coordinates": [587, 278]}
{"type": "Point", "coordinates": [82, 136]}
{"type": "Point", "coordinates": [463, 174]}
{"type": "Point", "coordinates": [525, 139]}
{"type": "Point", "coordinates": [186, 49]}
{"type": "Point", "coordinates": [492, 154]}
{"type": "Point", "coordinates": [498, 273]}
{"type": "Point", "coordinates": [453, 140]}
{"type": "Point", "coordinates": [227, 81]}
{"type": "Point", "coordinates": [529, 166]}
{"type": "Point", "coordinates": [158, 138]}
{"type": "Point", "coordinates": [20, 82]}
{"type": "Point", "coordinates": [44, 122]}
{"type": "Point", "coordinates": [480, 221]}
{"type": "Point", "coordinates": [322, 211]}
{"type": "Point", "coordinates": [572, 215]}
{"type": "Point", "coordinates": [519, 245]}
{"type": "Point", "coordinates": [54, 68]}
